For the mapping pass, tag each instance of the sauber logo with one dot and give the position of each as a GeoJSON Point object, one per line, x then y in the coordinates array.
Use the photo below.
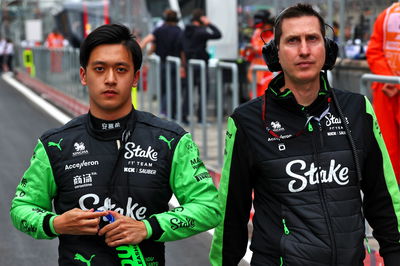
{"type": "Point", "coordinates": [133, 150]}
{"type": "Point", "coordinates": [336, 173]}
{"type": "Point", "coordinates": [133, 210]}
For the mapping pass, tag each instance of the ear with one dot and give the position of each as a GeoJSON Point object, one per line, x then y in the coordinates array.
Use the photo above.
{"type": "Point", "coordinates": [136, 79]}
{"type": "Point", "coordinates": [82, 74]}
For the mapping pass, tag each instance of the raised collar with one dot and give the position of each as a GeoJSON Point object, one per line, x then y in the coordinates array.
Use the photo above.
{"type": "Point", "coordinates": [111, 129]}
{"type": "Point", "coordinates": [286, 99]}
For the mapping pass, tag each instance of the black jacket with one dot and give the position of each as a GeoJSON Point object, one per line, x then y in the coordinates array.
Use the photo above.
{"type": "Point", "coordinates": [307, 202]}
{"type": "Point", "coordinates": [195, 40]}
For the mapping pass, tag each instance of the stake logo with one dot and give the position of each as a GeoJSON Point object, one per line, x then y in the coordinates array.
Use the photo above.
{"type": "Point", "coordinates": [133, 150]}
{"type": "Point", "coordinates": [302, 177]}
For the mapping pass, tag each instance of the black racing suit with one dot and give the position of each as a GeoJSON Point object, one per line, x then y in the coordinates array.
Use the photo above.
{"type": "Point", "coordinates": [132, 166]}
{"type": "Point", "coordinates": [300, 165]}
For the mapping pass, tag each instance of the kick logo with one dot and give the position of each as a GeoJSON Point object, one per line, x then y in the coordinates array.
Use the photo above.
{"type": "Point", "coordinates": [336, 173]}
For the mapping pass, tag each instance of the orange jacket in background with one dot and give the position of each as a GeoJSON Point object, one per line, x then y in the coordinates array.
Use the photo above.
{"type": "Point", "coordinates": [263, 77]}
{"type": "Point", "coordinates": [55, 40]}
{"type": "Point", "coordinates": [383, 56]}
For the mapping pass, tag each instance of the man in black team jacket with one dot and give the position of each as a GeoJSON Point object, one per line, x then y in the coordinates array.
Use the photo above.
{"type": "Point", "coordinates": [293, 147]}
{"type": "Point", "coordinates": [114, 160]}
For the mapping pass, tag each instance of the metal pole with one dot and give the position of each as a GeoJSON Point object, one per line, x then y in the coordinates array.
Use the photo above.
{"type": "Point", "coordinates": [219, 114]}
{"type": "Point", "coordinates": [203, 94]}
{"type": "Point", "coordinates": [177, 62]}
{"type": "Point", "coordinates": [330, 15]}
{"type": "Point", "coordinates": [235, 99]}
{"type": "Point", "coordinates": [155, 80]}
{"type": "Point", "coordinates": [378, 78]}
{"type": "Point", "coordinates": [341, 26]}
{"type": "Point", "coordinates": [254, 70]}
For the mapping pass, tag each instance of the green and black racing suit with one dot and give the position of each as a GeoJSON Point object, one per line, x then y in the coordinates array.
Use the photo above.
{"type": "Point", "coordinates": [132, 166]}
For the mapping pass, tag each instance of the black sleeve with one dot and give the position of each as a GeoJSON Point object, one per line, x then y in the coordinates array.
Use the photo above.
{"type": "Point", "coordinates": [212, 32]}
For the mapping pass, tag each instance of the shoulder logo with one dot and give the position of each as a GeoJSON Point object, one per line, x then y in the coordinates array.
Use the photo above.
{"type": "Point", "coordinates": [54, 144]}
{"type": "Point", "coordinates": [161, 137]}
{"type": "Point", "coordinates": [81, 258]}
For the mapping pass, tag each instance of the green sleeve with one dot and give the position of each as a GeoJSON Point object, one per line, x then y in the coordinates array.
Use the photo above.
{"type": "Point", "coordinates": [194, 189]}
{"type": "Point", "coordinates": [31, 208]}
{"type": "Point", "coordinates": [230, 238]}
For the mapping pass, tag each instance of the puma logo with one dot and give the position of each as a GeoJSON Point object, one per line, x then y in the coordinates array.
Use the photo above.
{"type": "Point", "coordinates": [81, 258]}
{"type": "Point", "coordinates": [53, 144]}
{"type": "Point", "coordinates": [165, 140]}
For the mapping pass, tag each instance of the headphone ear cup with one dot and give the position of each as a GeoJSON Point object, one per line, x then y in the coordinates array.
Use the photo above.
{"type": "Point", "coordinates": [270, 55]}
{"type": "Point", "coordinates": [331, 52]}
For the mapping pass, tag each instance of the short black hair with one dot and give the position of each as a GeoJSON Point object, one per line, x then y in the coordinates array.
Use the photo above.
{"type": "Point", "coordinates": [296, 11]}
{"type": "Point", "coordinates": [111, 34]}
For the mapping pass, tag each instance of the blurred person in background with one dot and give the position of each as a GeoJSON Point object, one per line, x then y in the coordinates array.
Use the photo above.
{"type": "Point", "coordinates": [3, 44]}
{"type": "Point", "coordinates": [383, 56]}
{"type": "Point", "coordinates": [195, 37]}
{"type": "Point", "coordinates": [304, 150]}
{"type": "Point", "coordinates": [9, 55]}
{"type": "Point", "coordinates": [263, 24]}
{"type": "Point", "coordinates": [166, 41]}
{"type": "Point", "coordinates": [53, 41]}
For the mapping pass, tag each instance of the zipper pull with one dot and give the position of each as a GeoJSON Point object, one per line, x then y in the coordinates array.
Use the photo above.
{"type": "Point", "coordinates": [321, 138]}
{"type": "Point", "coordinates": [285, 229]}
{"type": "Point", "coordinates": [310, 127]}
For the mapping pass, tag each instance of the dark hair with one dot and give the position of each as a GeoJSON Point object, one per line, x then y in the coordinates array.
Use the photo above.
{"type": "Point", "coordinates": [170, 16]}
{"type": "Point", "coordinates": [197, 14]}
{"type": "Point", "coordinates": [263, 16]}
{"type": "Point", "coordinates": [299, 10]}
{"type": "Point", "coordinates": [111, 34]}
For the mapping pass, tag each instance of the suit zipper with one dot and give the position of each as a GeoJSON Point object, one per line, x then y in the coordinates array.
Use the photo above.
{"type": "Point", "coordinates": [322, 196]}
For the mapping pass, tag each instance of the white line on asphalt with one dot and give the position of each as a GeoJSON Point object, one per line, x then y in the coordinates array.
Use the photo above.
{"type": "Point", "coordinates": [46, 106]}
{"type": "Point", "coordinates": [63, 119]}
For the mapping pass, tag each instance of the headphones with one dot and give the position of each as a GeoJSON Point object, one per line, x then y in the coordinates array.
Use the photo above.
{"type": "Point", "coordinates": [270, 51]}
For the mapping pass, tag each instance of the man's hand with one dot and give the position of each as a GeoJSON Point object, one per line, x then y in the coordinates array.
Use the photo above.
{"type": "Point", "coordinates": [124, 230]}
{"type": "Point", "coordinates": [205, 20]}
{"type": "Point", "coordinates": [78, 222]}
{"type": "Point", "coordinates": [390, 90]}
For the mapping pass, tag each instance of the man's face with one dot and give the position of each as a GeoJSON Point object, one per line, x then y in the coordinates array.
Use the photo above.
{"type": "Point", "coordinates": [109, 77]}
{"type": "Point", "coordinates": [301, 50]}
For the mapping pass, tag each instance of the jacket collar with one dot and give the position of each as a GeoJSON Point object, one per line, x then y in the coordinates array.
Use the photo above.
{"type": "Point", "coordinates": [287, 100]}
{"type": "Point", "coordinates": [111, 129]}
